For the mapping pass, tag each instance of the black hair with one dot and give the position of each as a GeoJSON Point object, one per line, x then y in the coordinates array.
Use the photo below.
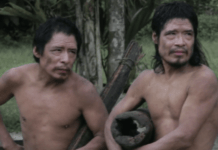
{"type": "Point", "coordinates": [167, 12]}
{"type": "Point", "coordinates": [54, 25]}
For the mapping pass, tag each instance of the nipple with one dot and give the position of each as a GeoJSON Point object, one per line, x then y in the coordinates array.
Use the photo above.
{"type": "Point", "coordinates": [24, 119]}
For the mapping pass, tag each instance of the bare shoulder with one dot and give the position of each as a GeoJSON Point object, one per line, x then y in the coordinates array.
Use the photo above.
{"type": "Point", "coordinates": [83, 85]}
{"type": "Point", "coordinates": [87, 94]}
{"type": "Point", "coordinates": [204, 82]}
{"type": "Point", "coordinates": [139, 85]}
{"type": "Point", "coordinates": [85, 89]}
{"type": "Point", "coordinates": [204, 74]}
{"type": "Point", "coordinates": [17, 74]}
{"type": "Point", "coordinates": [12, 79]}
{"type": "Point", "coordinates": [144, 78]}
{"type": "Point", "coordinates": [147, 73]}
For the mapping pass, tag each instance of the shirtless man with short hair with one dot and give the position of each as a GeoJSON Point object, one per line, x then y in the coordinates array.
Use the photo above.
{"type": "Point", "coordinates": [51, 97]}
{"type": "Point", "coordinates": [181, 91]}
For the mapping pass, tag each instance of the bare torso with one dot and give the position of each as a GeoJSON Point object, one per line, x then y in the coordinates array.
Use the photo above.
{"type": "Point", "coordinates": [50, 116]}
{"type": "Point", "coordinates": [165, 99]}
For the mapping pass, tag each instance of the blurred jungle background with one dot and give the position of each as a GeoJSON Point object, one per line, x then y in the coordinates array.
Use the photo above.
{"type": "Point", "coordinates": [107, 26]}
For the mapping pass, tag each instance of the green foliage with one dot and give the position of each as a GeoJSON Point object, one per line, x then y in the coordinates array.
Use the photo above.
{"type": "Point", "coordinates": [139, 15]}
{"type": "Point", "coordinates": [37, 15]}
{"type": "Point", "coordinates": [24, 16]}
{"type": "Point", "coordinates": [208, 26]}
{"type": "Point", "coordinates": [147, 49]}
{"type": "Point", "coordinates": [14, 54]}
{"type": "Point", "coordinates": [200, 6]}
{"type": "Point", "coordinates": [210, 49]}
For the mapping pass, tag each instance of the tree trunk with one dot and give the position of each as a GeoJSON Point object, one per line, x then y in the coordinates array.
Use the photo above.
{"type": "Point", "coordinates": [89, 62]}
{"type": "Point", "coordinates": [89, 45]}
{"type": "Point", "coordinates": [98, 48]}
{"type": "Point", "coordinates": [81, 61]}
{"type": "Point", "coordinates": [116, 35]}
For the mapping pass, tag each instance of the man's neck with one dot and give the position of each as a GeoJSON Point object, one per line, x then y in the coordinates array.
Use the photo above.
{"type": "Point", "coordinates": [170, 71]}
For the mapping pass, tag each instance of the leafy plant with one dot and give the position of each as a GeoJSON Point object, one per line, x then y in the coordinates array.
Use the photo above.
{"type": "Point", "coordinates": [14, 10]}
{"type": "Point", "coordinates": [208, 26]}
{"type": "Point", "coordinates": [138, 16]}
{"type": "Point", "coordinates": [28, 14]}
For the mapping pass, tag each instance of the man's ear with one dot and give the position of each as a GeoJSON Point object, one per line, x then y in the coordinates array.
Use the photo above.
{"type": "Point", "coordinates": [154, 38]}
{"type": "Point", "coordinates": [36, 53]}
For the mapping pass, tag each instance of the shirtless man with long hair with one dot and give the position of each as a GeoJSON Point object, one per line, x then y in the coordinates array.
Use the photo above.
{"type": "Point", "coordinates": [51, 97]}
{"type": "Point", "coordinates": [181, 91]}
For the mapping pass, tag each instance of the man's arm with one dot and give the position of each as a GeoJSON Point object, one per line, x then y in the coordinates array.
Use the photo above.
{"type": "Point", "coordinates": [132, 99]}
{"type": "Point", "coordinates": [95, 114]}
{"type": "Point", "coordinates": [201, 101]}
{"type": "Point", "coordinates": [7, 85]}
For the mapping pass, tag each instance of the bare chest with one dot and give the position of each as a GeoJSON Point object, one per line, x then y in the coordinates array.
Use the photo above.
{"type": "Point", "coordinates": [165, 100]}
{"type": "Point", "coordinates": [47, 107]}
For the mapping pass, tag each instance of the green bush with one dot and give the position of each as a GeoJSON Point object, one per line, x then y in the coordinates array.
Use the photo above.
{"type": "Point", "coordinates": [208, 27]}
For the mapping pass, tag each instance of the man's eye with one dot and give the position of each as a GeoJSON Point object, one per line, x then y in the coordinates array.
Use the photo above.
{"type": "Point", "coordinates": [73, 51]}
{"type": "Point", "coordinates": [171, 33]}
{"type": "Point", "coordinates": [56, 50]}
{"type": "Point", "coordinates": [189, 33]}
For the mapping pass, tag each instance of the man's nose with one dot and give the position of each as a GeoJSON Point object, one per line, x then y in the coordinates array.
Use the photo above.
{"type": "Point", "coordinates": [65, 57]}
{"type": "Point", "coordinates": [180, 40]}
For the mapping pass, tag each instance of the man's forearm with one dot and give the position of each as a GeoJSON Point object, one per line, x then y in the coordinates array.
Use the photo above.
{"type": "Point", "coordinates": [5, 137]}
{"type": "Point", "coordinates": [171, 141]}
{"type": "Point", "coordinates": [111, 144]}
{"type": "Point", "coordinates": [97, 143]}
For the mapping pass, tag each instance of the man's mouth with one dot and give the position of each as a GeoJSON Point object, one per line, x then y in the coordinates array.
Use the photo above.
{"type": "Point", "coordinates": [179, 53]}
{"type": "Point", "coordinates": [63, 70]}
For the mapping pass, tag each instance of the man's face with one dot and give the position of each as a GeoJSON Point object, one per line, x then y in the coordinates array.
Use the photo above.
{"type": "Point", "coordinates": [175, 43]}
{"type": "Point", "coordinates": [59, 55]}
